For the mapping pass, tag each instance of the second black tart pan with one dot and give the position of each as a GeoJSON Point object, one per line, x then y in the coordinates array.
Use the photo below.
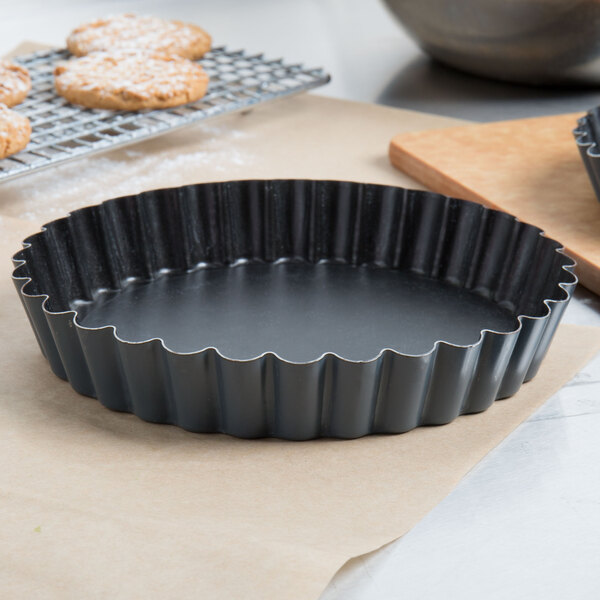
{"type": "Point", "coordinates": [292, 308]}
{"type": "Point", "coordinates": [587, 138]}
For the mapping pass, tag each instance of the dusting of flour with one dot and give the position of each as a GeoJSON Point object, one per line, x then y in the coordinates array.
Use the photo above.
{"type": "Point", "coordinates": [199, 154]}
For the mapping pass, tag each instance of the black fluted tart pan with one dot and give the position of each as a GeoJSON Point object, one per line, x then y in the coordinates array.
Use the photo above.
{"type": "Point", "coordinates": [293, 308]}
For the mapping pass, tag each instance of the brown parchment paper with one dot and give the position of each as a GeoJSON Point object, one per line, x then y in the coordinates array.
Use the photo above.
{"type": "Point", "coordinates": [96, 504]}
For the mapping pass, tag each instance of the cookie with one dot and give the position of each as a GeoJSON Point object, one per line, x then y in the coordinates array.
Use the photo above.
{"type": "Point", "coordinates": [138, 32]}
{"type": "Point", "coordinates": [14, 83]}
{"type": "Point", "coordinates": [15, 131]}
{"type": "Point", "coordinates": [130, 80]}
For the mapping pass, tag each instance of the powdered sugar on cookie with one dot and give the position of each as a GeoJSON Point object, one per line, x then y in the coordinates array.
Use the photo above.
{"type": "Point", "coordinates": [133, 31]}
{"type": "Point", "coordinates": [15, 131]}
{"type": "Point", "coordinates": [130, 80]}
{"type": "Point", "coordinates": [15, 83]}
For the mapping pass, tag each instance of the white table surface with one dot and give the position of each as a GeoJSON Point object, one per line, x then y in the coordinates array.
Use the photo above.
{"type": "Point", "coordinates": [525, 523]}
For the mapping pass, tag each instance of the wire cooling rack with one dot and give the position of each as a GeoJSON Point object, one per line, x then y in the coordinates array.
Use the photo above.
{"type": "Point", "coordinates": [62, 131]}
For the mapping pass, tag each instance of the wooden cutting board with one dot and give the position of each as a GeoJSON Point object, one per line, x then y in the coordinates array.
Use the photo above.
{"type": "Point", "coordinates": [529, 167]}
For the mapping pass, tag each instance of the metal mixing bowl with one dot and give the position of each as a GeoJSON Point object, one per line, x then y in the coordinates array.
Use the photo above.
{"type": "Point", "coordinates": [528, 41]}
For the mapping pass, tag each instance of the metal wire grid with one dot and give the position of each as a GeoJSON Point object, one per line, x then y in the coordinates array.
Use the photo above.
{"type": "Point", "coordinates": [62, 131]}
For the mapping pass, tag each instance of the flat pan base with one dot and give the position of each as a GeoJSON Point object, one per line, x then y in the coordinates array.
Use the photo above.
{"type": "Point", "coordinates": [297, 310]}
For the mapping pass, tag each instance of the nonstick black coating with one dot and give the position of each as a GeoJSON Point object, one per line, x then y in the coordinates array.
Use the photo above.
{"type": "Point", "coordinates": [299, 311]}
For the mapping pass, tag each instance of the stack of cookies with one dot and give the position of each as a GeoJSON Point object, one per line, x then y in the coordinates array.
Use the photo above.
{"type": "Point", "coordinates": [130, 62]}
{"type": "Point", "coordinates": [125, 62]}
{"type": "Point", "coordinates": [15, 129]}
